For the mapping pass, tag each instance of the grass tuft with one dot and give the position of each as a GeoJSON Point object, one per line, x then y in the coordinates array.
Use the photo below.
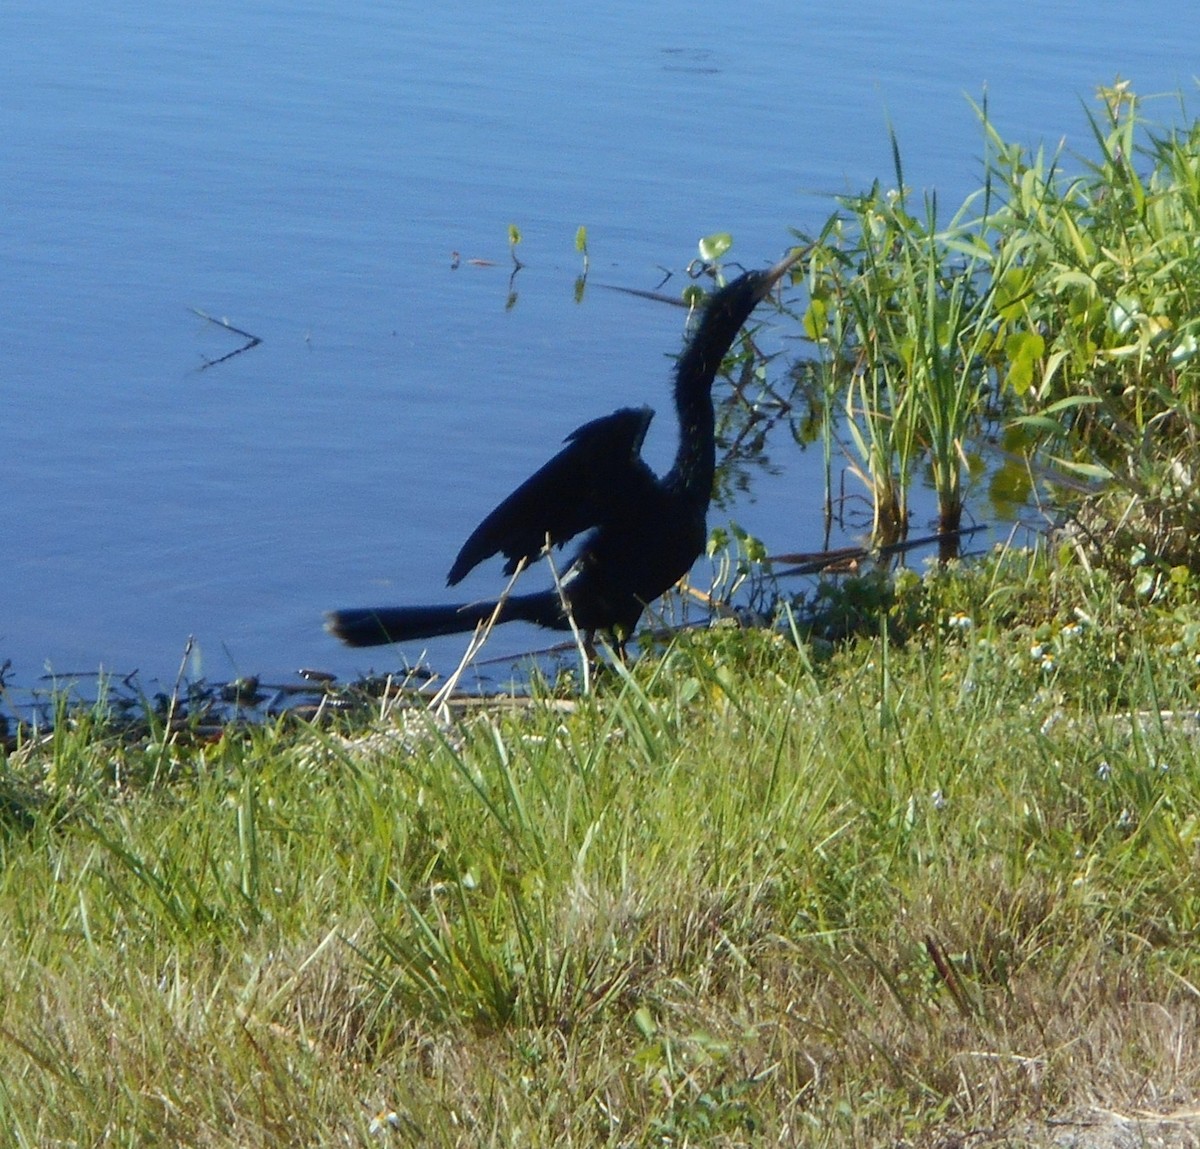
{"type": "Point", "coordinates": [927, 881]}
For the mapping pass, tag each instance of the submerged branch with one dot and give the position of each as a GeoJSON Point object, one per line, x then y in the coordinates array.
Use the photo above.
{"type": "Point", "coordinates": [251, 340]}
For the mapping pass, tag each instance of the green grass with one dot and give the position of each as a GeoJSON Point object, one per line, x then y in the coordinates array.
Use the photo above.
{"type": "Point", "coordinates": [942, 879]}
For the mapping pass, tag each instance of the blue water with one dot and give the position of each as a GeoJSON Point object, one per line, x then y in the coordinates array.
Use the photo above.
{"type": "Point", "coordinates": [306, 170]}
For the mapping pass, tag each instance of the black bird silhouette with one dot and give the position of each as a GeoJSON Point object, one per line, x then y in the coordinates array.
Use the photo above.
{"type": "Point", "coordinates": [646, 531]}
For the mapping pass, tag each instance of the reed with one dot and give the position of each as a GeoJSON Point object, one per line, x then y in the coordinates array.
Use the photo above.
{"type": "Point", "coordinates": [903, 316]}
{"type": "Point", "coordinates": [852, 286]}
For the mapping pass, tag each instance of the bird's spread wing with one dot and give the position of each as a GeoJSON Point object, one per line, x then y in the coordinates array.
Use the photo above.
{"type": "Point", "coordinates": [574, 491]}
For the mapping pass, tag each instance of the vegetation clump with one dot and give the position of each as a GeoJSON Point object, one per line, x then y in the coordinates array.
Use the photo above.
{"type": "Point", "coordinates": [1047, 332]}
{"type": "Point", "coordinates": [933, 882]}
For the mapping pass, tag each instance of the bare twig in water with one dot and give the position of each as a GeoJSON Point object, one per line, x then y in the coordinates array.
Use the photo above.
{"type": "Point", "coordinates": [251, 340]}
{"type": "Point", "coordinates": [813, 563]}
{"type": "Point", "coordinates": [657, 296]}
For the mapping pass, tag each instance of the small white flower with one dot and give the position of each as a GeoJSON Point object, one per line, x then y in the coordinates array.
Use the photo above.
{"type": "Point", "coordinates": [1104, 771]}
{"type": "Point", "coordinates": [384, 1120]}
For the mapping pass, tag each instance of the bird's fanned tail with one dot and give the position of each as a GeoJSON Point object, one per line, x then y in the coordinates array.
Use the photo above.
{"type": "Point", "coordinates": [375, 626]}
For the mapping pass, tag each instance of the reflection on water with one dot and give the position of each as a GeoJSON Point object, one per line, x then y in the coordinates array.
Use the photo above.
{"type": "Point", "coordinates": [305, 173]}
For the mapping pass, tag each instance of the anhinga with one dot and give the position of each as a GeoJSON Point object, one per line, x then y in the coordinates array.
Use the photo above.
{"type": "Point", "coordinates": [645, 531]}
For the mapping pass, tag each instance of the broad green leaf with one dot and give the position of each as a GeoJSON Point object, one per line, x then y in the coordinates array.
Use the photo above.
{"type": "Point", "coordinates": [1084, 470]}
{"type": "Point", "coordinates": [712, 247]}
{"type": "Point", "coordinates": [1023, 349]}
{"type": "Point", "coordinates": [1066, 279]}
{"type": "Point", "coordinates": [1019, 376]}
{"type": "Point", "coordinates": [816, 319]}
{"type": "Point", "coordinates": [1071, 402]}
{"type": "Point", "coordinates": [1011, 293]}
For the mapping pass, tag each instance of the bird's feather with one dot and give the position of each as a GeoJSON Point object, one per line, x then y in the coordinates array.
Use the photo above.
{"type": "Point", "coordinates": [582, 487]}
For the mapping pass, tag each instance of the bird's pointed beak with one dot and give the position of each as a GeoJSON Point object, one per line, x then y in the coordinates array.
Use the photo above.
{"type": "Point", "coordinates": [776, 273]}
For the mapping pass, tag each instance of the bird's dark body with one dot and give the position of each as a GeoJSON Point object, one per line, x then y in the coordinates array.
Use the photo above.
{"type": "Point", "coordinates": [643, 532]}
{"type": "Point", "coordinates": [622, 568]}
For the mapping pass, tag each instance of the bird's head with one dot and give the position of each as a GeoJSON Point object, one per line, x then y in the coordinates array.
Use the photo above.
{"type": "Point", "coordinates": [752, 287]}
{"type": "Point", "coordinates": [728, 308]}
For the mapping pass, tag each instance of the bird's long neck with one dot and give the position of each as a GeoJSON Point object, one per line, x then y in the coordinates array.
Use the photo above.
{"type": "Point", "coordinates": [691, 474]}
{"type": "Point", "coordinates": [695, 461]}
{"type": "Point", "coordinates": [691, 477]}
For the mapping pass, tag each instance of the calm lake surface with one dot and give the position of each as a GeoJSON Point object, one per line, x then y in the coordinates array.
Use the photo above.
{"type": "Point", "coordinates": [306, 170]}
